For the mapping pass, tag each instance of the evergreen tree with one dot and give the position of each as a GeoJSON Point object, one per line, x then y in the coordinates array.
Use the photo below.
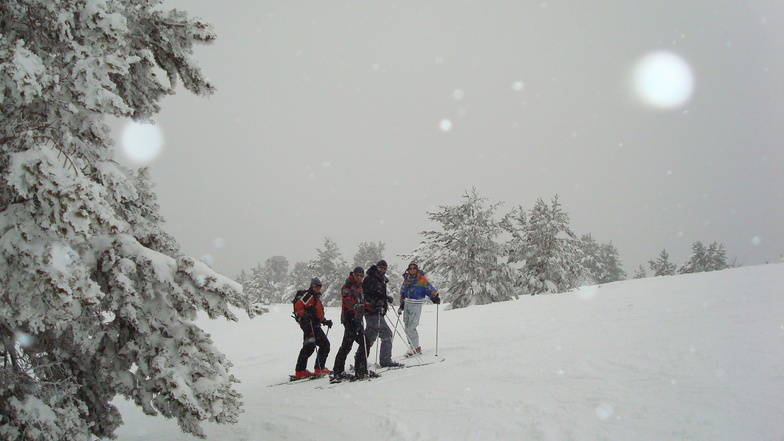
{"type": "Point", "coordinates": [698, 260]}
{"type": "Point", "coordinates": [662, 265]}
{"type": "Point", "coordinates": [640, 273]}
{"type": "Point", "coordinates": [465, 253]}
{"type": "Point", "coordinates": [516, 224]}
{"type": "Point", "coordinates": [717, 257]}
{"type": "Point", "coordinates": [395, 276]}
{"type": "Point", "coordinates": [611, 264]}
{"type": "Point", "coordinates": [369, 253]}
{"type": "Point", "coordinates": [242, 277]}
{"type": "Point", "coordinates": [589, 258]}
{"type": "Point", "coordinates": [102, 298]}
{"type": "Point", "coordinates": [332, 270]}
{"type": "Point", "coordinates": [547, 249]}
{"type": "Point", "coordinates": [273, 280]}
{"type": "Point", "coordinates": [251, 286]}
{"type": "Point", "coordinates": [601, 261]}
{"type": "Point", "coordinates": [704, 259]}
{"type": "Point", "coordinates": [299, 278]}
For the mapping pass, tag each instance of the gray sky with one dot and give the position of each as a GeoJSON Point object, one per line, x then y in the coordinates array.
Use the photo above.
{"type": "Point", "coordinates": [328, 123]}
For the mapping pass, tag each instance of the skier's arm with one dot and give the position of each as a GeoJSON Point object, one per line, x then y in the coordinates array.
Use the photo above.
{"type": "Point", "coordinates": [299, 308]}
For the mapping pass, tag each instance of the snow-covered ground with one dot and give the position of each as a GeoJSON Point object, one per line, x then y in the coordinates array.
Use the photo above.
{"type": "Point", "coordinates": [693, 357]}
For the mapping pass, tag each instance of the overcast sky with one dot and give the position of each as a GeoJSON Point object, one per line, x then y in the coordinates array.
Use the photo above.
{"type": "Point", "coordinates": [352, 120]}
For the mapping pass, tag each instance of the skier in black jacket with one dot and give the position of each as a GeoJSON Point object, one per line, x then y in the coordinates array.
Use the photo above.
{"type": "Point", "coordinates": [374, 288]}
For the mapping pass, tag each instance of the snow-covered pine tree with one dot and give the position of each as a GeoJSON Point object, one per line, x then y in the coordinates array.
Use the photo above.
{"type": "Point", "coordinates": [299, 278]}
{"type": "Point", "coordinates": [611, 264]}
{"type": "Point", "coordinates": [331, 268]}
{"type": "Point", "coordinates": [395, 276]}
{"type": "Point", "coordinates": [368, 253]}
{"type": "Point", "coordinates": [273, 280]}
{"type": "Point", "coordinates": [547, 249]}
{"type": "Point", "coordinates": [704, 259]}
{"type": "Point", "coordinates": [242, 277]}
{"type": "Point", "coordinates": [640, 273]}
{"type": "Point", "coordinates": [698, 260]}
{"type": "Point", "coordinates": [465, 254]}
{"type": "Point", "coordinates": [589, 259]}
{"type": "Point", "coordinates": [662, 265]}
{"type": "Point", "coordinates": [251, 286]}
{"type": "Point", "coordinates": [602, 262]}
{"type": "Point", "coordinates": [717, 257]}
{"type": "Point", "coordinates": [515, 223]}
{"type": "Point", "coordinates": [96, 300]}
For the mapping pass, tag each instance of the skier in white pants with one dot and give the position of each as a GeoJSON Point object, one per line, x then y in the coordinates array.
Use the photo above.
{"type": "Point", "coordinates": [412, 296]}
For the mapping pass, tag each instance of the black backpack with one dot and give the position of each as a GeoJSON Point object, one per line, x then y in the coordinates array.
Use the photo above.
{"type": "Point", "coordinates": [297, 296]}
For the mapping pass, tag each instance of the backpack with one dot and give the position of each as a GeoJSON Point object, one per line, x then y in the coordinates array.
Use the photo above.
{"type": "Point", "coordinates": [297, 296]}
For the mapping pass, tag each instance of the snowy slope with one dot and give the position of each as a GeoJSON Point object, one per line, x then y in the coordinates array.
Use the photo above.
{"type": "Point", "coordinates": [693, 357]}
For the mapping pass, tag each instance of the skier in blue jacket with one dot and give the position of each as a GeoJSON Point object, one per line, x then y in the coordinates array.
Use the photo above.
{"type": "Point", "coordinates": [415, 289]}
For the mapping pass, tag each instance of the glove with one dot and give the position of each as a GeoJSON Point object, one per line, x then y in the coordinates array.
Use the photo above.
{"type": "Point", "coordinates": [360, 306]}
{"type": "Point", "coordinates": [436, 300]}
{"type": "Point", "coordinates": [400, 310]}
{"type": "Point", "coordinates": [390, 299]}
{"type": "Point", "coordinates": [328, 323]}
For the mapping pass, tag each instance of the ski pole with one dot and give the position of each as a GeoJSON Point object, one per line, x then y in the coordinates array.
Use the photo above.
{"type": "Point", "coordinates": [407, 342]}
{"type": "Point", "coordinates": [327, 337]}
{"type": "Point", "coordinates": [437, 305]}
{"type": "Point", "coordinates": [313, 330]}
{"type": "Point", "coordinates": [396, 323]}
{"type": "Point", "coordinates": [365, 347]}
{"type": "Point", "coordinates": [378, 334]}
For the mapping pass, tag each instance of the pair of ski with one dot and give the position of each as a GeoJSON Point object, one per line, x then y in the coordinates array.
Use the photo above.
{"type": "Point", "coordinates": [295, 380]}
{"type": "Point", "coordinates": [337, 381]}
{"type": "Point", "coordinates": [413, 365]}
{"type": "Point", "coordinates": [351, 378]}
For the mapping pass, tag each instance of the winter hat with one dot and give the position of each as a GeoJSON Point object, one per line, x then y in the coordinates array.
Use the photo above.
{"type": "Point", "coordinates": [315, 282]}
{"type": "Point", "coordinates": [381, 263]}
{"type": "Point", "coordinates": [358, 271]}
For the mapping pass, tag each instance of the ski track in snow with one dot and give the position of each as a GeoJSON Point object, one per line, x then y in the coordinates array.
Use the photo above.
{"type": "Point", "coordinates": [693, 357]}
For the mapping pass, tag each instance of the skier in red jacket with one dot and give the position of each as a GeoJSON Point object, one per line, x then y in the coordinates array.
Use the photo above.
{"type": "Point", "coordinates": [310, 314]}
{"type": "Point", "coordinates": [354, 307]}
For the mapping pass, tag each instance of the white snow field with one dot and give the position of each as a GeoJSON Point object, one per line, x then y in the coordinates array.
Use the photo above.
{"type": "Point", "coordinates": [690, 357]}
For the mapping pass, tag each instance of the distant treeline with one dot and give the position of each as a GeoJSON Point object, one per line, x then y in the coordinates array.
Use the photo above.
{"type": "Point", "coordinates": [478, 257]}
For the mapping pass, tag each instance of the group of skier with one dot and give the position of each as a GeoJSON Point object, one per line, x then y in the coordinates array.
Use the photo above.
{"type": "Point", "coordinates": [365, 303]}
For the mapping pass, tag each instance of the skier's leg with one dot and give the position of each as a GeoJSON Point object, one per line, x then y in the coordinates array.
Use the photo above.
{"type": "Point", "coordinates": [349, 336]}
{"type": "Point", "coordinates": [308, 346]}
{"type": "Point", "coordinates": [371, 331]}
{"type": "Point", "coordinates": [360, 357]}
{"type": "Point", "coordinates": [385, 333]}
{"type": "Point", "coordinates": [323, 348]}
{"type": "Point", "coordinates": [414, 312]}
